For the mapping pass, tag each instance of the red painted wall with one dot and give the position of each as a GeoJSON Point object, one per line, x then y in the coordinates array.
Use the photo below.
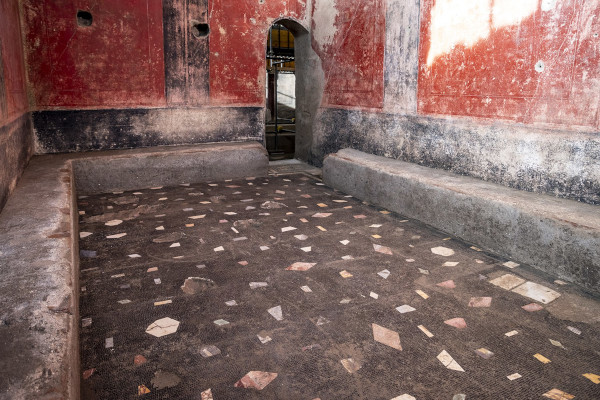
{"type": "Point", "coordinates": [238, 42]}
{"type": "Point", "coordinates": [495, 76]}
{"type": "Point", "coordinates": [115, 62]}
{"type": "Point", "coordinates": [119, 61]}
{"type": "Point", "coordinates": [13, 98]}
{"type": "Point", "coordinates": [352, 63]}
{"type": "Point", "coordinates": [353, 57]}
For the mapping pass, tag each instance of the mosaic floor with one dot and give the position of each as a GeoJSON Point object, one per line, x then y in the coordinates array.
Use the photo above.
{"type": "Point", "coordinates": [281, 288]}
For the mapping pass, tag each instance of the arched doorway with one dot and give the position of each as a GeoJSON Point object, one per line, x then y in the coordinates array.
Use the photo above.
{"type": "Point", "coordinates": [294, 90]}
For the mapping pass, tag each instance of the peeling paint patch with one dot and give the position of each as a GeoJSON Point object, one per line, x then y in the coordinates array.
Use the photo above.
{"type": "Point", "coordinates": [324, 28]}
{"type": "Point", "coordinates": [548, 5]}
{"type": "Point", "coordinates": [494, 64]}
{"type": "Point", "coordinates": [540, 66]}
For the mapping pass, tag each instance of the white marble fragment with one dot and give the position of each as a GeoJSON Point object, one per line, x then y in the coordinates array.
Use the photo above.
{"type": "Point", "coordinates": [162, 327]}
{"type": "Point", "coordinates": [276, 312]}
{"type": "Point", "coordinates": [442, 251]}
{"type": "Point", "coordinates": [449, 362]}
{"type": "Point", "coordinates": [537, 292]}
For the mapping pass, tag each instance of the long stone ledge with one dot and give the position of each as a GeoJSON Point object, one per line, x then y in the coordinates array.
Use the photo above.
{"type": "Point", "coordinates": [560, 237]}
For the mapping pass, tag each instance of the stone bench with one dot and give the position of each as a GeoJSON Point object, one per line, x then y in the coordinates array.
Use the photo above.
{"type": "Point", "coordinates": [39, 274]}
{"type": "Point", "coordinates": [560, 237]}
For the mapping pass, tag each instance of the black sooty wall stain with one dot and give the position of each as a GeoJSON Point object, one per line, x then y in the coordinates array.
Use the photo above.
{"type": "Point", "coordinates": [85, 130]}
{"type": "Point", "coordinates": [493, 153]}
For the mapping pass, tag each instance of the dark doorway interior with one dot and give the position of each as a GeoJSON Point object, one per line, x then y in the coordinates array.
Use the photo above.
{"type": "Point", "coordinates": [280, 116]}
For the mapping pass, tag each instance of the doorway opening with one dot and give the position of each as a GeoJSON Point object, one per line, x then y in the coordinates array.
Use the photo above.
{"type": "Point", "coordinates": [294, 86]}
{"type": "Point", "coordinates": [280, 116]}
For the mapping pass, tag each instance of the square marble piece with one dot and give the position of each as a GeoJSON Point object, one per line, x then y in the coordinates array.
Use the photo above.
{"type": "Point", "coordinates": [537, 292]}
{"type": "Point", "coordinates": [507, 281]}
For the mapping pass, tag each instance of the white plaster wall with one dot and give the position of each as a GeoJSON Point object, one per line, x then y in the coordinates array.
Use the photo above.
{"type": "Point", "coordinates": [286, 90]}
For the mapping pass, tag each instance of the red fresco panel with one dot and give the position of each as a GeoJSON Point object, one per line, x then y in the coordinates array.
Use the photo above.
{"type": "Point", "coordinates": [117, 61]}
{"type": "Point", "coordinates": [13, 98]}
{"type": "Point", "coordinates": [238, 42]}
{"type": "Point", "coordinates": [353, 62]}
{"type": "Point", "coordinates": [496, 77]}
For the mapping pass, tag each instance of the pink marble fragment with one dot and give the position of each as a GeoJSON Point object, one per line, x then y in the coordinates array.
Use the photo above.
{"type": "Point", "coordinates": [480, 302]}
{"type": "Point", "coordinates": [532, 307]}
{"type": "Point", "coordinates": [447, 284]}
{"type": "Point", "coordinates": [256, 380]}
{"type": "Point", "coordinates": [457, 323]}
